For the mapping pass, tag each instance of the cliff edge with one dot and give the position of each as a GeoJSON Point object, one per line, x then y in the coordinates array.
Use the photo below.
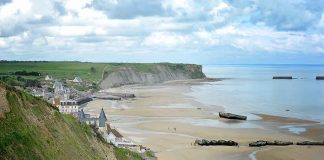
{"type": "Point", "coordinates": [125, 74]}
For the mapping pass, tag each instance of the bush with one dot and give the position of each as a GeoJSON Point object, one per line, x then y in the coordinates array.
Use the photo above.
{"type": "Point", "coordinates": [25, 73]}
{"type": "Point", "coordinates": [93, 70]}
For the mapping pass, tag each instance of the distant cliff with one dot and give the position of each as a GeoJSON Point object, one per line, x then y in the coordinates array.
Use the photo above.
{"type": "Point", "coordinates": [125, 74]}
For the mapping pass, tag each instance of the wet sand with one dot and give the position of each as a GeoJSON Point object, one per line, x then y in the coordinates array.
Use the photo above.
{"type": "Point", "coordinates": [164, 118]}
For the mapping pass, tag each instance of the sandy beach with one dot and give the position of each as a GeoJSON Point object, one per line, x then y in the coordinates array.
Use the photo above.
{"type": "Point", "coordinates": [166, 119]}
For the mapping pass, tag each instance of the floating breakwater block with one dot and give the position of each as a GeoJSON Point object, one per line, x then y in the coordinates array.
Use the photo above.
{"type": "Point", "coordinates": [261, 143]}
{"type": "Point", "coordinates": [310, 143]}
{"type": "Point", "coordinates": [231, 116]}
{"type": "Point", "coordinates": [319, 77]}
{"type": "Point", "coordinates": [282, 77]}
{"type": "Point", "coordinates": [204, 142]}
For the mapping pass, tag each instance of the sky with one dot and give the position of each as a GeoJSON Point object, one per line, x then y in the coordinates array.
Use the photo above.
{"type": "Point", "coordinates": [186, 31]}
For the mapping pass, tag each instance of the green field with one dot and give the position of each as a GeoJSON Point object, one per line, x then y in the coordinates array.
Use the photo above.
{"type": "Point", "coordinates": [59, 70]}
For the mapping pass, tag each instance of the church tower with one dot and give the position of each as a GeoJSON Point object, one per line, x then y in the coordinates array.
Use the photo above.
{"type": "Point", "coordinates": [102, 118]}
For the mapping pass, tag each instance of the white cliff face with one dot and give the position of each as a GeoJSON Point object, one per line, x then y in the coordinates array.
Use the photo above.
{"type": "Point", "coordinates": [162, 73]}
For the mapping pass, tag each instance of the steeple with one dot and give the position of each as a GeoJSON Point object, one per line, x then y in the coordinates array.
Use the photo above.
{"type": "Point", "coordinates": [102, 118]}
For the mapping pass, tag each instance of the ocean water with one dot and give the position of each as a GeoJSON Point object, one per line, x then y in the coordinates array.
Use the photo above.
{"type": "Point", "coordinates": [251, 89]}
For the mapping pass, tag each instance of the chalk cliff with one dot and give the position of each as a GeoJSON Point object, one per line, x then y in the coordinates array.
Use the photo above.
{"type": "Point", "coordinates": [150, 74]}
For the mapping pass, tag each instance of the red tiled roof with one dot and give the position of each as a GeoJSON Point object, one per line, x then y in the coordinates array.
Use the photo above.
{"type": "Point", "coordinates": [109, 129]}
{"type": "Point", "coordinates": [116, 133]}
{"type": "Point", "coordinates": [57, 101]}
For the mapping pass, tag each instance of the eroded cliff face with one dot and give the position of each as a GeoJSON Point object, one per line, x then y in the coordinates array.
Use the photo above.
{"type": "Point", "coordinates": [156, 74]}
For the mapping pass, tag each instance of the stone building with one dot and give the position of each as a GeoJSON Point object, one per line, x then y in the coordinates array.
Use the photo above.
{"type": "Point", "coordinates": [97, 121]}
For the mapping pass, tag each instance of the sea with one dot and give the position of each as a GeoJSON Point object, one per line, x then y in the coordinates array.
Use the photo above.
{"type": "Point", "coordinates": [247, 89]}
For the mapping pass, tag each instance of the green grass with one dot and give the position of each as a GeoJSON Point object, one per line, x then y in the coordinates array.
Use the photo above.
{"type": "Point", "coordinates": [60, 70]}
{"type": "Point", "coordinates": [124, 154]}
{"type": "Point", "coordinates": [15, 135]}
{"type": "Point", "coordinates": [149, 154]}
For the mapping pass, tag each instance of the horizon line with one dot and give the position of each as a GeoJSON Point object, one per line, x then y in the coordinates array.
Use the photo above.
{"type": "Point", "coordinates": [2, 60]}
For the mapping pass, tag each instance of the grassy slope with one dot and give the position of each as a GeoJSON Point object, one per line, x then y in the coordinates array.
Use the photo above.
{"type": "Point", "coordinates": [32, 129]}
{"type": "Point", "coordinates": [124, 154]}
{"type": "Point", "coordinates": [67, 70]}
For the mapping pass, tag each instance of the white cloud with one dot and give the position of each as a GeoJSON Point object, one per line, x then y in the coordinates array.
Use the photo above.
{"type": "Point", "coordinates": [180, 7]}
{"type": "Point", "coordinates": [3, 43]}
{"type": "Point", "coordinates": [206, 37]}
{"type": "Point", "coordinates": [17, 6]}
{"type": "Point", "coordinates": [255, 39]}
{"type": "Point", "coordinates": [219, 12]}
{"type": "Point", "coordinates": [167, 24]}
{"type": "Point", "coordinates": [165, 39]}
{"type": "Point", "coordinates": [19, 15]}
{"type": "Point", "coordinates": [320, 49]}
{"type": "Point", "coordinates": [227, 30]}
{"type": "Point", "coordinates": [83, 16]}
{"type": "Point", "coordinates": [74, 31]}
{"type": "Point", "coordinates": [41, 41]}
{"type": "Point", "coordinates": [12, 14]}
{"type": "Point", "coordinates": [76, 5]}
{"type": "Point", "coordinates": [321, 21]}
{"type": "Point", "coordinates": [178, 26]}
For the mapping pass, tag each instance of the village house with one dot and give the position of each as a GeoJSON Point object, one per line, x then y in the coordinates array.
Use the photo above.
{"type": "Point", "coordinates": [61, 92]}
{"type": "Point", "coordinates": [97, 121]}
{"type": "Point", "coordinates": [58, 87]}
{"type": "Point", "coordinates": [113, 136]}
{"type": "Point", "coordinates": [68, 106]}
{"type": "Point", "coordinates": [110, 134]}
{"type": "Point", "coordinates": [77, 79]}
{"type": "Point", "coordinates": [44, 95]}
{"type": "Point", "coordinates": [48, 78]}
{"type": "Point", "coordinates": [45, 86]}
{"type": "Point", "coordinates": [36, 89]}
{"type": "Point", "coordinates": [40, 92]}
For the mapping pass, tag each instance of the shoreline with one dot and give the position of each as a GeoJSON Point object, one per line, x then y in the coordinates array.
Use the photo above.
{"type": "Point", "coordinates": [167, 120]}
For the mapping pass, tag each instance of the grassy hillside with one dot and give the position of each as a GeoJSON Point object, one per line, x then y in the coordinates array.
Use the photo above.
{"type": "Point", "coordinates": [33, 129]}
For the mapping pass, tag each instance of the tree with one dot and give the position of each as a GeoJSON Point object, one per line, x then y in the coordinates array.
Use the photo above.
{"type": "Point", "coordinates": [19, 78]}
{"type": "Point", "coordinates": [93, 70]}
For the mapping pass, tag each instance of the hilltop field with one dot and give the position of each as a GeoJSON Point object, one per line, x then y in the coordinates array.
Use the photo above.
{"type": "Point", "coordinates": [59, 70]}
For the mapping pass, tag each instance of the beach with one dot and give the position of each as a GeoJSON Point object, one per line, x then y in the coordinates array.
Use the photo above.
{"type": "Point", "coordinates": [166, 119]}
